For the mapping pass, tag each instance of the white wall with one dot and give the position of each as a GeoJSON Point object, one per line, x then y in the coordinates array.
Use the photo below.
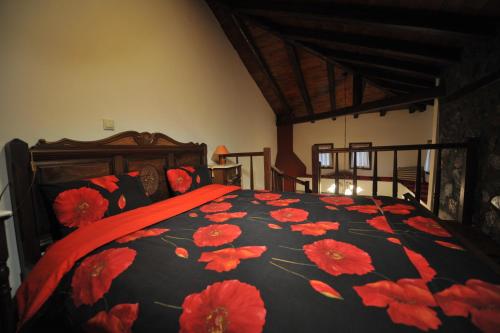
{"type": "Point", "coordinates": [395, 128]}
{"type": "Point", "coordinates": [154, 65]}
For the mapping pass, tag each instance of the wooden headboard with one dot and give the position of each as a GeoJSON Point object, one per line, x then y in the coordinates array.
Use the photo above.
{"type": "Point", "coordinates": [67, 160]}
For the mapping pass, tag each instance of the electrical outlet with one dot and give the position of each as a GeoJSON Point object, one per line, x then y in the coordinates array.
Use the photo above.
{"type": "Point", "coordinates": [108, 124]}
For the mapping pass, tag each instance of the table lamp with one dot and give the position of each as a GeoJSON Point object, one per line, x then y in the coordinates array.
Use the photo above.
{"type": "Point", "coordinates": [219, 151]}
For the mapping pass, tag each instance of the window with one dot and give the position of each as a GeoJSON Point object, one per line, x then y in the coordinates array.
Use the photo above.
{"type": "Point", "coordinates": [363, 158]}
{"type": "Point", "coordinates": [325, 159]}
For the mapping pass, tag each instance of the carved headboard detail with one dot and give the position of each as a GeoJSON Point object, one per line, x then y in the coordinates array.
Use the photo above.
{"type": "Point", "coordinates": [67, 160]}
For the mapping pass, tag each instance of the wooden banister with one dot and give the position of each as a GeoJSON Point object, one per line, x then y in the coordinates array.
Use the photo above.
{"type": "Point", "coordinates": [467, 185]}
{"type": "Point", "coordinates": [278, 181]}
{"type": "Point", "coordinates": [265, 153]}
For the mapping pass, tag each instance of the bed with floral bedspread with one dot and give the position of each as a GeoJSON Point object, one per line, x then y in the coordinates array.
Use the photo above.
{"type": "Point", "coordinates": [250, 261]}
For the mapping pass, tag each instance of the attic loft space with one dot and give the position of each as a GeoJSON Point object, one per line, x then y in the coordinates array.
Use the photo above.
{"type": "Point", "coordinates": [316, 59]}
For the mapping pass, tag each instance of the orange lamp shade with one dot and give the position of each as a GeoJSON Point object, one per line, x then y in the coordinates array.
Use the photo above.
{"type": "Point", "coordinates": [221, 150]}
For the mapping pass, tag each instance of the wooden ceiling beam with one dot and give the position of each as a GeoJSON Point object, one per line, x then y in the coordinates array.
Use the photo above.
{"type": "Point", "coordinates": [299, 77]}
{"type": "Point", "coordinates": [331, 86]}
{"type": "Point", "coordinates": [380, 62]}
{"type": "Point", "coordinates": [398, 88]}
{"type": "Point", "coordinates": [357, 89]}
{"type": "Point", "coordinates": [377, 45]}
{"type": "Point", "coordinates": [389, 76]}
{"type": "Point", "coordinates": [413, 20]}
{"type": "Point", "coordinates": [305, 46]}
{"type": "Point", "coordinates": [263, 65]}
{"type": "Point", "coordinates": [391, 103]}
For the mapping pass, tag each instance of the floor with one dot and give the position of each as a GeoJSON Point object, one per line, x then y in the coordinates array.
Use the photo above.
{"type": "Point", "coordinates": [481, 245]}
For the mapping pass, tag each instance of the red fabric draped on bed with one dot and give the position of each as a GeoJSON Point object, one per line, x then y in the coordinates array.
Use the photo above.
{"type": "Point", "coordinates": [62, 255]}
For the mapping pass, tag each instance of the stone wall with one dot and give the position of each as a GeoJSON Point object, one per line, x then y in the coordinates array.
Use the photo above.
{"type": "Point", "coordinates": [476, 114]}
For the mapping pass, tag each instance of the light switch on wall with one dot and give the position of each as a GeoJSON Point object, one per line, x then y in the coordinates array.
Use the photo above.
{"type": "Point", "coordinates": [108, 124]}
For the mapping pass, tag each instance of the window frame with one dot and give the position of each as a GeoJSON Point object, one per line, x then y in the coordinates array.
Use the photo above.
{"type": "Point", "coordinates": [361, 145]}
{"type": "Point", "coordinates": [328, 146]}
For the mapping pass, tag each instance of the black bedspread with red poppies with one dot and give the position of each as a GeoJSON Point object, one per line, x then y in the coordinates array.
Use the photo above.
{"type": "Point", "coordinates": [257, 261]}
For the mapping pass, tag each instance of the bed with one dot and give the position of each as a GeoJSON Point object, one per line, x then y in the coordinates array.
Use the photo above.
{"type": "Point", "coordinates": [222, 259]}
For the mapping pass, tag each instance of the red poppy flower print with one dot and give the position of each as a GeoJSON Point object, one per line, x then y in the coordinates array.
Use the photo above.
{"type": "Point", "coordinates": [398, 209]}
{"type": "Point", "coordinates": [216, 234]}
{"type": "Point", "coordinates": [92, 279]}
{"type": "Point", "coordinates": [198, 179]}
{"type": "Point", "coordinates": [274, 226]}
{"type": "Point", "coordinates": [188, 168]}
{"type": "Point", "coordinates": [179, 180]}
{"type": "Point", "coordinates": [315, 229]}
{"type": "Point", "coordinates": [427, 273]}
{"type": "Point", "coordinates": [289, 215]}
{"type": "Point", "coordinates": [394, 240]}
{"type": "Point", "coordinates": [324, 289]}
{"type": "Point", "coordinates": [377, 202]}
{"type": "Point", "coordinates": [228, 259]}
{"type": "Point", "coordinates": [133, 173]}
{"type": "Point", "coordinates": [427, 225]}
{"type": "Point", "coordinates": [331, 207]}
{"type": "Point", "coordinates": [215, 207]}
{"type": "Point", "coordinates": [479, 299]}
{"type": "Point", "coordinates": [193, 214]}
{"type": "Point", "coordinates": [122, 202]}
{"type": "Point", "coordinates": [119, 319]}
{"type": "Point", "coordinates": [408, 302]}
{"type": "Point", "coordinates": [223, 217]}
{"type": "Point", "coordinates": [337, 258]}
{"type": "Point", "coordinates": [282, 202]}
{"type": "Point", "coordinates": [267, 196]}
{"type": "Point", "coordinates": [224, 197]}
{"type": "Point", "coordinates": [227, 306]}
{"type": "Point", "coordinates": [367, 209]}
{"type": "Point", "coordinates": [181, 252]}
{"type": "Point", "coordinates": [107, 182]}
{"type": "Point", "coordinates": [79, 207]}
{"type": "Point", "coordinates": [380, 223]}
{"type": "Point", "coordinates": [450, 245]}
{"type": "Point", "coordinates": [337, 200]}
{"type": "Point", "coordinates": [141, 234]}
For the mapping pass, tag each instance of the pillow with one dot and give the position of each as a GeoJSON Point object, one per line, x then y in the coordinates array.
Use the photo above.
{"type": "Point", "coordinates": [187, 178]}
{"type": "Point", "coordinates": [78, 203]}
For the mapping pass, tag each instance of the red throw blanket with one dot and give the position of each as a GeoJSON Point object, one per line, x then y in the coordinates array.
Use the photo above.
{"type": "Point", "coordinates": [62, 255]}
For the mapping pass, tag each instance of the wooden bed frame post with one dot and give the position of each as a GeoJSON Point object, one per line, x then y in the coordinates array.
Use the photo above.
{"type": "Point", "coordinates": [21, 180]}
{"type": "Point", "coordinates": [7, 317]}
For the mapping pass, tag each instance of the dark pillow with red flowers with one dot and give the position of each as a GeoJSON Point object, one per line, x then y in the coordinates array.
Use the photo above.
{"type": "Point", "coordinates": [78, 203]}
{"type": "Point", "coordinates": [187, 178]}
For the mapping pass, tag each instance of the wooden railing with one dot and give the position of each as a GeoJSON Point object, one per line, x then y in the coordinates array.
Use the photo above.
{"type": "Point", "coordinates": [279, 178]}
{"type": "Point", "coordinates": [265, 153]}
{"type": "Point", "coordinates": [467, 183]}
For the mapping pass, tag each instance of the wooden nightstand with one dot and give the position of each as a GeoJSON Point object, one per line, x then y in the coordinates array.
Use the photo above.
{"type": "Point", "coordinates": [226, 174]}
{"type": "Point", "coordinates": [5, 299]}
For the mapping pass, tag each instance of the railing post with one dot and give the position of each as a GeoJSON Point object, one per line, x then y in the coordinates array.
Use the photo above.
{"type": "Point", "coordinates": [267, 168]}
{"type": "Point", "coordinates": [437, 184]}
{"type": "Point", "coordinates": [468, 184]}
{"type": "Point", "coordinates": [375, 174]}
{"type": "Point", "coordinates": [395, 174]}
{"type": "Point", "coordinates": [418, 176]}
{"type": "Point", "coordinates": [355, 174]}
{"type": "Point", "coordinates": [251, 172]}
{"type": "Point", "coordinates": [316, 169]}
{"type": "Point", "coordinates": [337, 173]}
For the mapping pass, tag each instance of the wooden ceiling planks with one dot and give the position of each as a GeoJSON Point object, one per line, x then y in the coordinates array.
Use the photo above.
{"type": "Point", "coordinates": [318, 59]}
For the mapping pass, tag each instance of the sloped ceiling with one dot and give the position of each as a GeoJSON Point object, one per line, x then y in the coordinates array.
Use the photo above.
{"type": "Point", "coordinates": [322, 59]}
